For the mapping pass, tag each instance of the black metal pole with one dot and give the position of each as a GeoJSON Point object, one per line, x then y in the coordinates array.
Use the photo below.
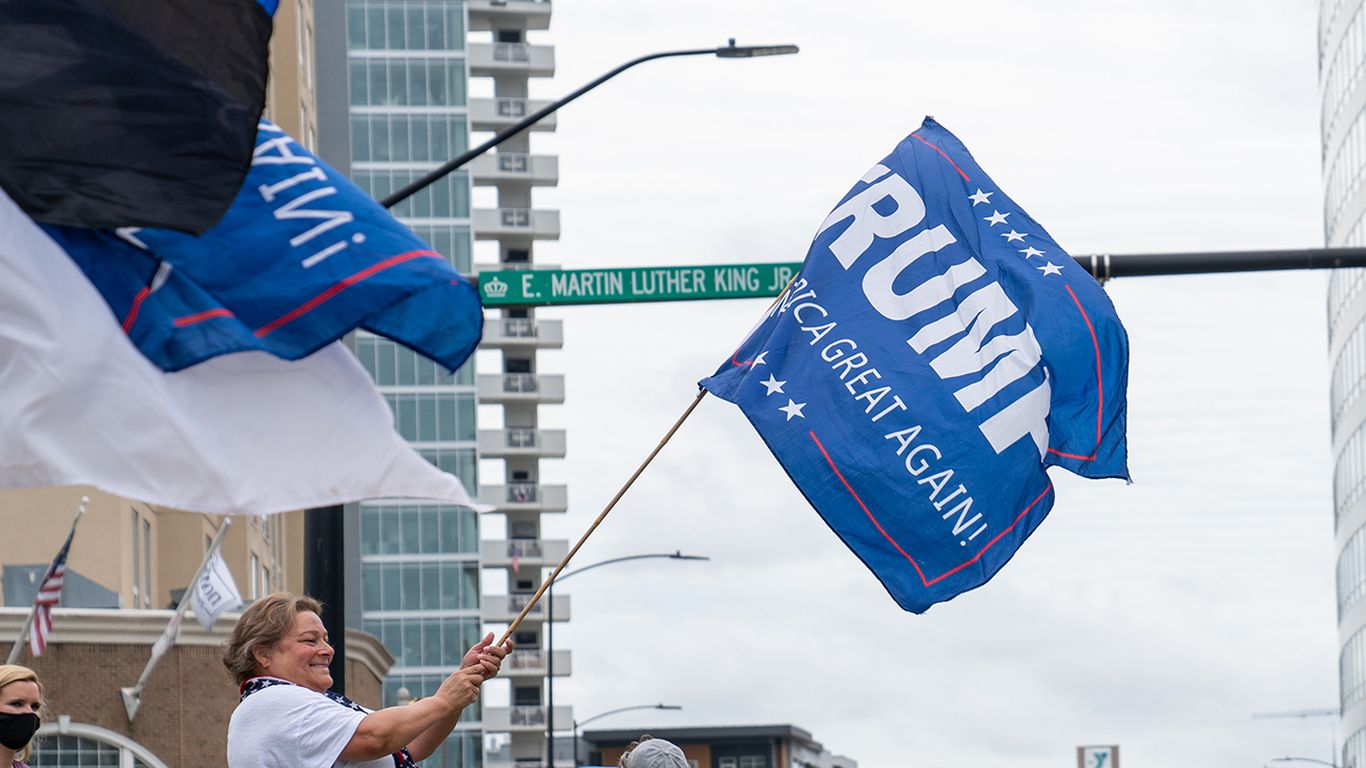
{"type": "Point", "coordinates": [1106, 266]}
{"type": "Point", "coordinates": [323, 576]}
{"type": "Point", "coordinates": [329, 537]}
{"type": "Point", "coordinates": [731, 51]}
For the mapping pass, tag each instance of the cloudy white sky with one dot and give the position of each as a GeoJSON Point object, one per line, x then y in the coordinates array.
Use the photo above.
{"type": "Point", "coordinates": [1158, 616]}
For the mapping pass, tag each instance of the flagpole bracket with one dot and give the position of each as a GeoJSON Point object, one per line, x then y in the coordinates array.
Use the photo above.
{"type": "Point", "coordinates": [1100, 268]}
{"type": "Point", "coordinates": [132, 699]}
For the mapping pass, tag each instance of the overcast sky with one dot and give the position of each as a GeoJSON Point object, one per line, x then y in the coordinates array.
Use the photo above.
{"type": "Point", "coordinates": [1158, 616]}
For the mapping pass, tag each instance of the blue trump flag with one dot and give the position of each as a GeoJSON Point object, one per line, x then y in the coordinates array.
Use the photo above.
{"type": "Point", "coordinates": [936, 354]}
{"type": "Point", "coordinates": [302, 257]}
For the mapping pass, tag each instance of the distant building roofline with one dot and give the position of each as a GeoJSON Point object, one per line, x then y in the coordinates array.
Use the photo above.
{"type": "Point", "coordinates": [622, 736]}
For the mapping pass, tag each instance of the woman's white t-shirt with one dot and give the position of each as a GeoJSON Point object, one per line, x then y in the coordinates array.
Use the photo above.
{"type": "Point", "coordinates": [289, 726]}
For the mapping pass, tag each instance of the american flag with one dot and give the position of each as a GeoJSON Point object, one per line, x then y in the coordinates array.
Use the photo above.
{"type": "Point", "coordinates": [49, 594]}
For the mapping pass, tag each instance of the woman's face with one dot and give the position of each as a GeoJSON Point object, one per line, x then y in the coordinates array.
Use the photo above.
{"type": "Point", "coordinates": [302, 656]}
{"type": "Point", "coordinates": [20, 698]}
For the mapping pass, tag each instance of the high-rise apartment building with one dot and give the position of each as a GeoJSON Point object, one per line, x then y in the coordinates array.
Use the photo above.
{"type": "Point", "coordinates": [502, 50]}
{"type": "Point", "coordinates": [1342, 63]}
{"type": "Point", "coordinates": [392, 105]}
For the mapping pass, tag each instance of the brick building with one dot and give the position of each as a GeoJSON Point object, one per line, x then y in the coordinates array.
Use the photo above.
{"type": "Point", "coordinates": [183, 719]}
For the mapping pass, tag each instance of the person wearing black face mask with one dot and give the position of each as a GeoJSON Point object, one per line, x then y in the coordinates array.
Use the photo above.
{"type": "Point", "coordinates": [21, 698]}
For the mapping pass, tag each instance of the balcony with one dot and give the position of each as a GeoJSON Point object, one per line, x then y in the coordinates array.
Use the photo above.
{"type": "Point", "coordinates": [495, 223]}
{"type": "Point", "coordinates": [515, 167]}
{"type": "Point", "coordinates": [541, 388]}
{"type": "Point", "coordinates": [502, 757]}
{"type": "Point", "coordinates": [526, 497]}
{"type": "Point", "coordinates": [523, 333]}
{"type": "Point", "coordinates": [499, 112]}
{"type": "Point", "coordinates": [532, 553]}
{"type": "Point", "coordinates": [532, 664]}
{"type": "Point", "coordinates": [500, 609]}
{"type": "Point", "coordinates": [490, 59]}
{"type": "Point", "coordinates": [527, 442]}
{"type": "Point", "coordinates": [508, 14]}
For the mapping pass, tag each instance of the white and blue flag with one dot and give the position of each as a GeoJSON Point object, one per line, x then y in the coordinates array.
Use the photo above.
{"type": "Point", "coordinates": [937, 353]}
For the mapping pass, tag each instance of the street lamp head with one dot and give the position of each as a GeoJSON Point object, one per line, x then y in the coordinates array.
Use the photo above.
{"type": "Point", "coordinates": [733, 51]}
{"type": "Point", "coordinates": [678, 555]}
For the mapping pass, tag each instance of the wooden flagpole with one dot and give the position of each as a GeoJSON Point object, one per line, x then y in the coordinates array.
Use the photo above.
{"type": "Point", "coordinates": [701, 393]}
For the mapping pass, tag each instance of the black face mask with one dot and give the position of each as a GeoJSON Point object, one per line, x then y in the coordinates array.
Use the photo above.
{"type": "Point", "coordinates": [17, 730]}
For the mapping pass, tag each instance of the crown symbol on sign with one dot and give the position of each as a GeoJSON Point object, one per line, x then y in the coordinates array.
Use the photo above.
{"type": "Point", "coordinates": [495, 289]}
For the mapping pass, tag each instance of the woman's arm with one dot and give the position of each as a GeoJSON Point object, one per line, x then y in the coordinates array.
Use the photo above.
{"type": "Point", "coordinates": [483, 657]}
{"type": "Point", "coordinates": [388, 730]}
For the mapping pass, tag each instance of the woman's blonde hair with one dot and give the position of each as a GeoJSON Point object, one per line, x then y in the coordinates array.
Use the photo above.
{"type": "Point", "coordinates": [263, 625]}
{"type": "Point", "coordinates": [13, 673]}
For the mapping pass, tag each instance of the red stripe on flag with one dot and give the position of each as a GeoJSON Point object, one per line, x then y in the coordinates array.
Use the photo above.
{"type": "Point", "coordinates": [312, 304]}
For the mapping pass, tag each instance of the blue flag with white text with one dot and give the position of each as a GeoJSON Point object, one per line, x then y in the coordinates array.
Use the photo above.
{"type": "Point", "coordinates": [936, 354]}
{"type": "Point", "coordinates": [302, 257]}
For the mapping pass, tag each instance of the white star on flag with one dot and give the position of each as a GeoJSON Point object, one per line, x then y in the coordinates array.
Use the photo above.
{"type": "Point", "coordinates": [1012, 236]}
{"type": "Point", "coordinates": [996, 217]}
{"type": "Point", "coordinates": [793, 409]}
{"type": "Point", "coordinates": [1031, 252]}
{"type": "Point", "coordinates": [981, 197]}
{"type": "Point", "coordinates": [1049, 268]}
{"type": "Point", "coordinates": [773, 385]}
{"type": "Point", "coordinates": [758, 360]}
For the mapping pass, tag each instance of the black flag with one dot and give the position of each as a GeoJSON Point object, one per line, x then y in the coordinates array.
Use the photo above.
{"type": "Point", "coordinates": [130, 112]}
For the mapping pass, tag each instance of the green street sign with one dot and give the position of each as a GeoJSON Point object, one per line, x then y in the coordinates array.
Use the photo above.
{"type": "Point", "coordinates": [548, 287]}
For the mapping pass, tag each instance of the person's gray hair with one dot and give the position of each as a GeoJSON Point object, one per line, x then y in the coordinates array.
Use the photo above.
{"type": "Point", "coordinates": [654, 753]}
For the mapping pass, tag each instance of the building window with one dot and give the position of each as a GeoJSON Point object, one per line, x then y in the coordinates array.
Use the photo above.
{"type": "Point", "coordinates": [403, 82]}
{"type": "Point", "coordinates": [426, 417]}
{"type": "Point", "coordinates": [439, 586]}
{"type": "Point", "coordinates": [255, 576]}
{"type": "Point", "coordinates": [77, 752]}
{"type": "Point", "coordinates": [425, 642]}
{"type": "Point", "coordinates": [146, 564]}
{"type": "Point", "coordinates": [419, 529]}
{"type": "Point", "coordinates": [396, 25]}
{"type": "Point", "coordinates": [407, 138]}
{"type": "Point", "coordinates": [447, 198]}
{"type": "Point", "coordinates": [137, 559]}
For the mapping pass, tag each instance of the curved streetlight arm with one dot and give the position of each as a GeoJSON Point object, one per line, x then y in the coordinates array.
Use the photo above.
{"type": "Point", "coordinates": [578, 723]}
{"type": "Point", "coordinates": [731, 51]}
{"type": "Point", "coordinates": [1302, 760]}
{"type": "Point", "coordinates": [677, 555]}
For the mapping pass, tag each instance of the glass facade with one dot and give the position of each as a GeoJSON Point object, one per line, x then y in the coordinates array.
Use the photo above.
{"type": "Point", "coordinates": [407, 91]}
{"type": "Point", "coordinates": [1342, 63]}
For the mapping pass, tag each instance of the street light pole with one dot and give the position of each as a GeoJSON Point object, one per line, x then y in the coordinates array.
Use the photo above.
{"type": "Point", "coordinates": [324, 548]}
{"type": "Point", "coordinates": [1103, 266]}
{"type": "Point", "coordinates": [1303, 760]}
{"type": "Point", "coordinates": [730, 51]}
{"type": "Point", "coordinates": [578, 723]}
{"type": "Point", "coordinates": [550, 643]}
{"type": "Point", "coordinates": [324, 554]}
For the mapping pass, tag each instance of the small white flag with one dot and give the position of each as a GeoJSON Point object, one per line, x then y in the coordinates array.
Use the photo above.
{"type": "Point", "coordinates": [214, 593]}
